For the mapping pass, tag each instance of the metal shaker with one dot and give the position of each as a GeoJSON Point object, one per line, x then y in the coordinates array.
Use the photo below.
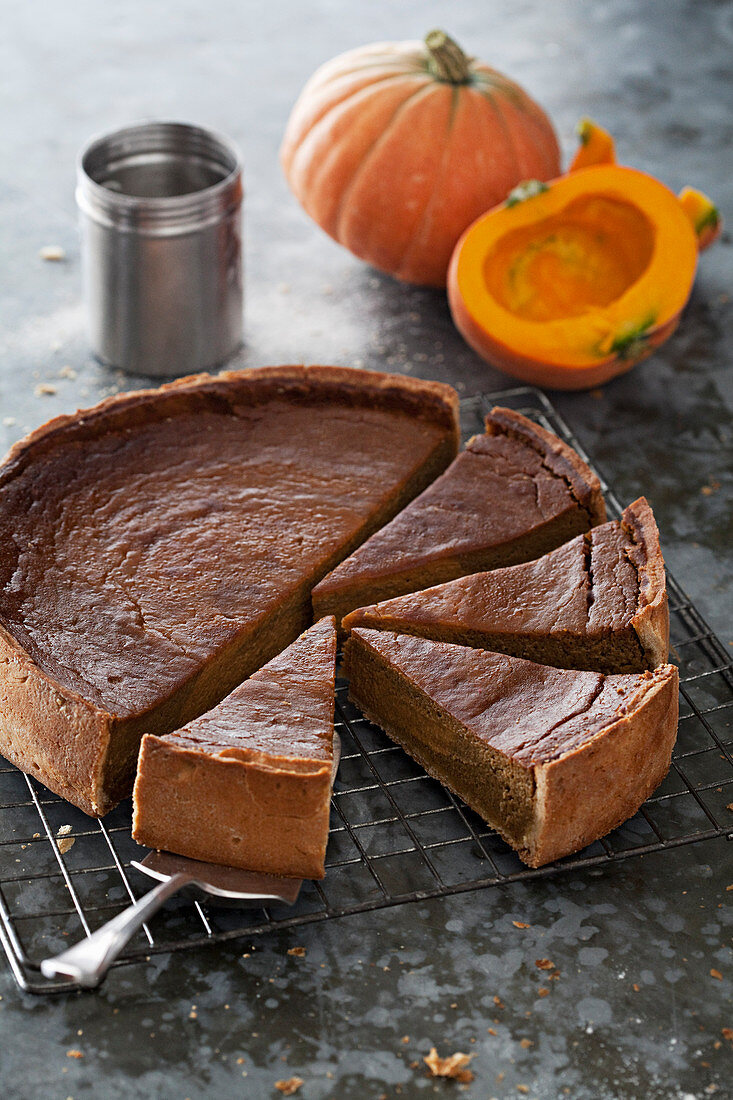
{"type": "Point", "coordinates": [161, 206]}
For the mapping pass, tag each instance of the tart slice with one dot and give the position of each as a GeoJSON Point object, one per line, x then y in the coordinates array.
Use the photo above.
{"type": "Point", "coordinates": [249, 783]}
{"type": "Point", "coordinates": [599, 602]}
{"type": "Point", "coordinates": [512, 494]}
{"type": "Point", "coordinates": [552, 759]}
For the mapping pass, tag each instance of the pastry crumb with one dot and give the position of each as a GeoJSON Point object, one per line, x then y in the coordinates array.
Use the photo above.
{"type": "Point", "coordinates": [453, 1066]}
{"type": "Point", "coordinates": [53, 253]}
{"type": "Point", "coordinates": [66, 842]}
{"type": "Point", "coordinates": [727, 1033]}
{"type": "Point", "coordinates": [520, 924]}
{"type": "Point", "coordinates": [523, 1088]}
{"type": "Point", "coordinates": [67, 372]}
{"type": "Point", "coordinates": [44, 389]}
{"type": "Point", "coordinates": [9, 421]}
{"type": "Point", "coordinates": [544, 964]}
{"type": "Point", "coordinates": [526, 1043]}
{"type": "Point", "coordinates": [74, 1054]}
{"type": "Point", "coordinates": [716, 974]}
{"type": "Point", "coordinates": [299, 952]}
{"type": "Point", "coordinates": [498, 1002]}
{"type": "Point", "coordinates": [543, 991]}
{"type": "Point", "coordinates": [289, 1087]}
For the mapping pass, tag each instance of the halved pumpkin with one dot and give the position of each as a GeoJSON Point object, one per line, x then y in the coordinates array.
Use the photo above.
{"type": "Point", "coordinates": [570, 283]}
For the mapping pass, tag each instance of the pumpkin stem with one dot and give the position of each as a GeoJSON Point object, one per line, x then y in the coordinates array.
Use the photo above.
{"type": "Point", "coordinates": [446, 59]}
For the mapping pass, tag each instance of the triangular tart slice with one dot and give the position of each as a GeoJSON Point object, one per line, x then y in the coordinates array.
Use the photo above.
{"type": "Point", "coordinates": [248, 784]}
{"type": "Point", "coordinates": [599, 602]}
{"type": "Point", "coordinates": [514, 493]}
{"type": "Point", "coordinates": [552, 759]}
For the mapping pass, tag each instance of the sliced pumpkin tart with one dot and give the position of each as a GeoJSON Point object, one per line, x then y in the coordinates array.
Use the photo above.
{"type": "Point", "coordinates": [550, 758]}
{"type": "Point", "coordinates": [161, 547]}
{"type": "Point", "coordinates": [599, 602]}
{"type": "Point", "coordinates": [512, 494]}
{"type": "Point", "coordinates": [248, 784]}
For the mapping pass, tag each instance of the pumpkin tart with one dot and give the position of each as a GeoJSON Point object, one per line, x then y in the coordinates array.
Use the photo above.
{"type": "Point", "coordinates": [248, 784]}
{"type": "Point", "coordinates": [550, 758]}
{"type": "Point", "coordinates": [599, 602]}
{"type": "Point", "coordinates": [159, 548]}
{"type": "Point", "coordinates": [511, 495]}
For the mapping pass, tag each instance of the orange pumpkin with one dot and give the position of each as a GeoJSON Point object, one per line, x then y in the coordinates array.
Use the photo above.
{"type": "Point", "coordinates": [569, 284]}
{"type": "Point", "coordinates": [395, 148]}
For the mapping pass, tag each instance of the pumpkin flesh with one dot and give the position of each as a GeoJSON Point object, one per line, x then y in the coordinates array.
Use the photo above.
{"type": "Point", "coordinates": [577, 282]}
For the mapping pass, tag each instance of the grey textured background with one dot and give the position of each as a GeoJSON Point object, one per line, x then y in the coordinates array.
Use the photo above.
{"type": "Point", "coordinates": [659, 75]}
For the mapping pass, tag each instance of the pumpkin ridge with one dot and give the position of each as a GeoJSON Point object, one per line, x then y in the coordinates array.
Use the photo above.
{"type": "Point", "coordinates": [416, 235]}
{"type": "Point", "coordinates": [505, 130]}
{"type": "Point", "coordinates": [331, 106]}
{"type": "Point", "coordinates": [346, 193]}
{"type": "Point", "coordinates": [493, 81]}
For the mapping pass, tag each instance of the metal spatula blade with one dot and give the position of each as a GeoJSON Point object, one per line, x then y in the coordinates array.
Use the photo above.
{"type": "Point", "coordinates": [226, 885]}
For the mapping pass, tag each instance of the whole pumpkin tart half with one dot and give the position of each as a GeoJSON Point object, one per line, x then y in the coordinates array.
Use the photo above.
{"type": "Point", "coordinates": [159, 548]}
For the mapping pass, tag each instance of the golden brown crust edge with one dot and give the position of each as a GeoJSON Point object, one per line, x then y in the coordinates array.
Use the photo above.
{"type": "Point", "coordinates": [412, 395]}
{"type": "Point", "coordinates": [68, 750]}
{"type": "Point", "coordinates": [651, 622]}
{"type": "Point", "coordinates": [583, 482]}
{"type": "Point", "coordinates": [630, 758]}
{"type": "Point", "coordinates": [239, 813]}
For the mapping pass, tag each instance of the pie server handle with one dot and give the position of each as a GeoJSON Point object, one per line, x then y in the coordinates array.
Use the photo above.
{"type": "Point", "coordinates": [87, 962]}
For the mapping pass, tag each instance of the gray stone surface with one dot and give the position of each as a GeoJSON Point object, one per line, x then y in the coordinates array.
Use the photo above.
{"type": "Point", "coordinates": [659, 75]}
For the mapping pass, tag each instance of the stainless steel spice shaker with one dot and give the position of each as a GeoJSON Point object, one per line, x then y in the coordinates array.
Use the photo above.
{"type": "Point", "coordinates": [161, 207]}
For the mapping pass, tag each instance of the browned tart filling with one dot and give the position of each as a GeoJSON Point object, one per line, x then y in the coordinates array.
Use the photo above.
{"type": "Point", "coordinates": [157, 549]}
{"type": "Point", "coordinates": [249, 783]}
{"type": "Point", "coordinates": [599, 602]}
{"type": "Point", "coordinates": [512, 494]}
{"type": "Point", "coordinates": [551, 758]}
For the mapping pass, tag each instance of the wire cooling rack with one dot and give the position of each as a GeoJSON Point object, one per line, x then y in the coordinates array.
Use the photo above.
{"type": "Point", "coordinates": [396, 834]}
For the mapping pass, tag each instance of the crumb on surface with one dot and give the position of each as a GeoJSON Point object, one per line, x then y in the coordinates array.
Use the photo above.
{"type": "Point", "coordinates": [74, 1053]}
{"type": "Point", "coordinates": [716, 974]}
{"type": "Point", "coordinates": [299, 952]}
{"type": "Point", "coordinates": [65, 842]}
{"type": "Point", "coordinates": [520, 924]}
{"type": "Point", "coordinates": [544, 964]}
{"type": "Point", "coordinates": [290, 1086]}
{"type": "Point", "coordinates": [543, 991]}
{"type": "Point", "coordinates": [53, 253]}
{"type": "Point", "coordinates": [44, 389]}
{"type": "Point", "coordinates": [453, 1066]}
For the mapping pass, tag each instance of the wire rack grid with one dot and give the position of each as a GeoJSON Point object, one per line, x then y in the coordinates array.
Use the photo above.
{"type": "Point", "coordinates": [397, 835]}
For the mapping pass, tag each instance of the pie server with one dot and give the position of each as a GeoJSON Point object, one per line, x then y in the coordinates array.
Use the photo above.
{"type": "Point", "coordinates": [88, 961]}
